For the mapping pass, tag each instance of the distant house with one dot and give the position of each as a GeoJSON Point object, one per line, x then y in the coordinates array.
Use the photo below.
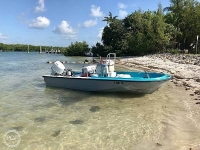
{"type": "Point", "coordinates": [89, 54]}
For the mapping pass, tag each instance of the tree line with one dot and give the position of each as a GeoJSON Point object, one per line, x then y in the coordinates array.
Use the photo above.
{"type": "Point", "coordinates": [141, 32]}
{"type": "Point", "coordinates": [147, 32]}
{"type": "Point", "coordinates": [25, 47]}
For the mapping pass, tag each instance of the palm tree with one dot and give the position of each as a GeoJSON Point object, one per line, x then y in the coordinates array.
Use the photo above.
{"type": "Point", "coordinates": [109, 19]}
{"type": "Point", "coordinates": [176, 7]}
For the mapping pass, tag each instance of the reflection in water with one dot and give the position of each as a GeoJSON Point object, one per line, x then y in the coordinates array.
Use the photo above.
{"type": "Point", "coordinates": [55, 118]}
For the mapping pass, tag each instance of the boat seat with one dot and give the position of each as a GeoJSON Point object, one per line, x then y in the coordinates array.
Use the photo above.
{"type": "Point", "coordinates": [123, 76]}
{"type": "Point", "coordinates": [94, 75]}
{"type": "Point", "coordinates": [112, 74]}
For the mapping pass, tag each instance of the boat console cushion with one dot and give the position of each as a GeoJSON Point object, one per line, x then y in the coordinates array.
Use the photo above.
{"type": "Point", "coordinates": [123, 76]}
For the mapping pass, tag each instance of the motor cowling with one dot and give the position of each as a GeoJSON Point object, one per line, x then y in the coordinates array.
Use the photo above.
{"type": "Point", "coordinates": [57, 68]}
{"type": "Point", "coordinates": [69, 72]}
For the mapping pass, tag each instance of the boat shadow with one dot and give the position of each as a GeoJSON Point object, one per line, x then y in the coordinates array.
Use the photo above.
{"type": "Point", "coordinates": [117, 94]}
{"type": "Point", "coordinates": [69, 96]}
{"type": "Point", "coordinates": [66, 96]}
{"type": "Point", "coordinates": [40, 85]}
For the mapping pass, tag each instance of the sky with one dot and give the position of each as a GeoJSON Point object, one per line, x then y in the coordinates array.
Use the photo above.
{"type": "Point", "coordinates": [60, 22]}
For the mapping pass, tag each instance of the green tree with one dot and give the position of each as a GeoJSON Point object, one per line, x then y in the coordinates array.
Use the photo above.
{"type": "Point", "coordinates": [185, 16]}
{"type": "Point", "coordinates": [109, 19]}
{"type": "Point", "coordinates": [148, 32]}
{"type": "Point", "coordinates": [176, 6]}
{"type": "Point", "coordinates": [114, 37]}
{"type": "Point", "coordinates": [77, 49]}
{"type": "Point", "coordinates": [99, 50]}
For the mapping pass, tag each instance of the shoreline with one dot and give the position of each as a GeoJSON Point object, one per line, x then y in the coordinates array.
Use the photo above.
{"type": "Point", "coordinates": [180, 67]}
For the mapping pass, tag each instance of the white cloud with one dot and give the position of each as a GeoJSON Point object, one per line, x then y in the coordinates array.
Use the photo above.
{"type": "Point", "coordinates": [89, 23]}
{"type": "Point", "coordinates": [122, 6]}
{"type": "Point", "coordinates": [40, 7]}
{"type": "Point", "coordinates": [39, 23]}
{"type": "Point", "coordinates": [3, 37]}
{"type": "Point", "coordinates": [122, 13]}
{"type": "Point", "coordinates": [96, 11]}
{"type": "Point", "coordinates": [65, 30]}
{"type": "Point", "coordinates": [100, 32]}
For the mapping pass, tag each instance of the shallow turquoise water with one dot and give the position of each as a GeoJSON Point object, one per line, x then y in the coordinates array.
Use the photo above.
{"type": "Point", "coordinates": [53, 118]}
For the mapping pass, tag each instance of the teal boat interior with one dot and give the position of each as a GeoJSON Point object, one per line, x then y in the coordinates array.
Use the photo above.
{"type": "Point", "coordinates": [133, 76]}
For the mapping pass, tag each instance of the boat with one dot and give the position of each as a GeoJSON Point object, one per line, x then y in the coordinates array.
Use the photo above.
{"type": "Point", "coordinates": [89, 54]}
{"type": "Point", "coordinates": [102, 77]}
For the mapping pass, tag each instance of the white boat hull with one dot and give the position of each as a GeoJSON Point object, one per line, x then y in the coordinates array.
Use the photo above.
{"type": "Point", "coordinates": [93, 85]}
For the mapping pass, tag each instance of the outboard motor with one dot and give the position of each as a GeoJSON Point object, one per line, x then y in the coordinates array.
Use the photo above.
{"type": "Point", "coordinates": [57, 68]}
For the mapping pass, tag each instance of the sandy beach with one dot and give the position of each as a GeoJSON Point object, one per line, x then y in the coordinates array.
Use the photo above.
{"type": "Point", "coordinates": [185, 89]}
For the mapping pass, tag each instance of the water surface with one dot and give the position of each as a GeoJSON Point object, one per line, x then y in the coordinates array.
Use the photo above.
{"type": "Point", "coordinates": [54, 118]}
